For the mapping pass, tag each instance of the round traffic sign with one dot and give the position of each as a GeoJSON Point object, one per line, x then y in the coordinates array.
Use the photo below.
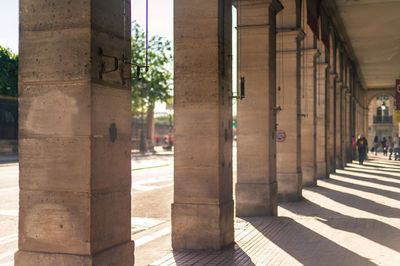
{"type": "Point", "coordinates": [280, 136]}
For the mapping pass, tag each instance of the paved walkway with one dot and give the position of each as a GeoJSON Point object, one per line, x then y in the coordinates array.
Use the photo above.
{"type": "Point", "coordinates": [353, 218]}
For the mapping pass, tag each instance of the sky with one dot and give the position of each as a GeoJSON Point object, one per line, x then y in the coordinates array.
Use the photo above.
{"type": "Point", "coordinates": [9, 24]}
{"type": "Point", "coordinates": [160, 20]}
{"type": "Point", "coordinates": [160, 23]}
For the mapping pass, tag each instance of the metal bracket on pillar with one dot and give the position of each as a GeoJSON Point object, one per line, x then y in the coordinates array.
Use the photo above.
{"type": "Point", "coordinates": [103, 67]}
{"type": "Point", "coordinates": [277, 109]}
{"type": "Point", "coordinates": [302, 115]}
{"type": "Point", "coordinates": [116, 65]}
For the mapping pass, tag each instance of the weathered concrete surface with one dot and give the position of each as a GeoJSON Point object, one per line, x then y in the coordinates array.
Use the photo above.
{"type": "Point", "coordinates": [339, 106]}
{"type": "Point", "coordinates": [117, 255]}
{"type": "Point", "coordinates": [256, 188]}
{"type": "Point", "coordinates": [321, 108]}
{"type": "Point", "coordinates": [74, 177]}
{"type": "Point", "coordinates": [308, 112]}
{"type": "Point", "coordinates": [289, 175]}
{"type": "Point", "coordinates": [202, 212]}
{"type": "Point", "coordinates": [331, 106]}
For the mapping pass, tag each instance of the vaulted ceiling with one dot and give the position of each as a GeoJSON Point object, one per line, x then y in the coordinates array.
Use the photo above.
{"type": "Point", "coordinates": [373, 29]}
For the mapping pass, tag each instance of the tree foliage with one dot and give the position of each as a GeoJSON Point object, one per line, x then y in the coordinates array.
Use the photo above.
{"type": "Point", "coordinates": [155, 84]}
{"type": "Point", "coordinates": [8, 73]}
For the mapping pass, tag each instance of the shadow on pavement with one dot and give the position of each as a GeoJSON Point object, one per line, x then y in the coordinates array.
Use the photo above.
{"type": "Point", "coordinates": [372, 180]}
{"type": "Point", "coordinates": [378, 191]}
{"type": "Point", "coordinates": [357, 202]}
{"type": "Point", "coordinates": [372, 229]}
{"type": "Point", "coordinates": [232, 255]}
{"type": "Point", "coordinates": [307, 246]}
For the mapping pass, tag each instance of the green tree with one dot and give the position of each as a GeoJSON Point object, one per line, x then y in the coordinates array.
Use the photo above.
{"type": "Point", "coordinates": [8, 73]}
{"type": "Point", "coordinates": [155, 84]}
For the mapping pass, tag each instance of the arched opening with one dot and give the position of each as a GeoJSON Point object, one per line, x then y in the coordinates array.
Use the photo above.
{"type": "Point", "coordinates": [380, 119]}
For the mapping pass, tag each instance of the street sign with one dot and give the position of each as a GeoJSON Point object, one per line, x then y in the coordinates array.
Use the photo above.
{"type": "Point", "coordinates": [280, 136]}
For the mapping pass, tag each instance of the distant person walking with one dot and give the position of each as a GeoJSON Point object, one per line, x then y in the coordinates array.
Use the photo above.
{"type": "Point", "coordinates": [390, 147]}
{"type": "Point", "coordinates": [376, 144]}
{"type": "Point", "coordinates": [384, 146]}
{"type": "Point", "coordinates": [362, 145]}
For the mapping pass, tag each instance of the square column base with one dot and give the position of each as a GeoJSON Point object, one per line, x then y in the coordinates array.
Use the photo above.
{"type": "Point", "coordinates": [339, 163]}
{"type": "Point", "coordinates": [349, 155]}
{"type": "Point", "coordinates": [118, 255]}
{"type": "Point", "coordinates": [309, 178]}
{"type": "Point", "coordinates": [256, 199]}
{"type": "Point", "coordinates": [332, 168]}
{"type": "Point", "coordinates": [202, 226]}
{"type": "Point", "coordinates": [322, 170]}
{"type": "Point", "coordinates": [289, 186]}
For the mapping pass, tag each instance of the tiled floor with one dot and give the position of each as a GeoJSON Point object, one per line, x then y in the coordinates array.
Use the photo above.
{"type": "Point", "coordinates": [353, 218]}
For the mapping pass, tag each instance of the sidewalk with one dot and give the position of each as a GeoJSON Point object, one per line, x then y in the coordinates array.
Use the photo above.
{"type": "Point", "coordinates": [159, 158]}
{"type": "Point", "coordinates": [353, 218]}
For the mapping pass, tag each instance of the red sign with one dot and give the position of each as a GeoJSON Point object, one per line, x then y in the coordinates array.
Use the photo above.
{"type": "Point", "coordinates": [280, 136]}
{"type": "Point", "coordinates": [398, 94]}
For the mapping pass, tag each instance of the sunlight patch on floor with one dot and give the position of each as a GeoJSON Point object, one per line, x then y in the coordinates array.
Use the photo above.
{"type": "Point", "coordinates": [349, 240]}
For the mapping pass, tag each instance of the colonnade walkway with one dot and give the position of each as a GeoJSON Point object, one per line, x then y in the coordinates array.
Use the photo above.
{"type": "Point", "coordinates": [353, 218]}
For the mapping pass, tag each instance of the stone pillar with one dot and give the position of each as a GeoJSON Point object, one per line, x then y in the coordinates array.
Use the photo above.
{"type": "Point", "coordinates": [353, 124]}
{"type": "Point", "coordinates": [339, 105]}
{"type": "Point", "coordinates": [348, 127]}
{"type": "Point", "coordinates": [289, 122]}
{"type": "Point", "coordinates": [308, 112]}
{"type": "Point", "coordinates": [338, 133]}
{"type": "Point", "coordinates": [365, 121]}
{"type": "Point", "coordinates": [347, 124]}
{"type": "Point", "coordinates": [331, 109]}
{"type": "Point", "coordinates": [202, 212]}
{"type": "Point", "coordinates": [321, 127]}
{"type": "Point", "coordinates": [75, 182]}
{"type": "Point", "coordinates": [343, 125]}
{"type": "Point", "coordinates": [256, 188]}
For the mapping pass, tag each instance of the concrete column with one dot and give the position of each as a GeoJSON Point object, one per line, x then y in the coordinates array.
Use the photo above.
{"type": "Point", "coordinates": [365, 122]}
{"type": "Point", "coordinates": [289, 122]}
{"type": "Point", "coordinates": [256, 188]}
{"type": "Point", "coordinates": [75, 183]}
{"type": "Point", "coordinates": [343, 125]}
{"type": "Point", "coordinates": [339, 123]}
{"type": "Point", "coordinates": [321, 127]}
{"type": "Point", "coordinates": [339, 105]}
{"type": "Point", "coordinates": [348, 127]}
{"type": "Point", "coordinates": [353, 124]}
{"type": "Point", "coordinates": [308, 113]}
{"type": "Point", "coordinates": [359, 120]}
{"type": "Point", "coordinates": [202, 212]}
{"type": "Point", "coordinates": [331, 109]}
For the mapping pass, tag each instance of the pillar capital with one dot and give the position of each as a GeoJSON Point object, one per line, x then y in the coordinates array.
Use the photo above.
{"type": "Point", "coordinates": [311, 52]}
{"type": "Point", "coordinates": [291, 33]}
{"type": "Point", "coordinates": [274, 4]}
{"type": "Point", "coordinates": [323, 65]}
{"type": "Point", "coordinates": [333, 74]}
{"type": "Point", "coordinates": [288, 41]}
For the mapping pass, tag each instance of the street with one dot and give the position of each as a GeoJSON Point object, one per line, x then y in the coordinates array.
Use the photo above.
{"type": "Point", "coordinates": [152, 192]}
